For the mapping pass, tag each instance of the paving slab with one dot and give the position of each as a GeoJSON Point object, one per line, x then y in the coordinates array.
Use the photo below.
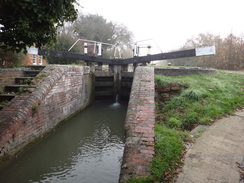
{"type": "Point", "coordinates": [215, 155]}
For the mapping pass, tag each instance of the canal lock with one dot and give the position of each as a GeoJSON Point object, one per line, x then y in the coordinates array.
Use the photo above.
{"type": "Point", "coordinates": [114, 86]}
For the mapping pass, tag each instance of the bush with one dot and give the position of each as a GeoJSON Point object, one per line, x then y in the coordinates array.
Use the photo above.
{"type": "Point", "coordinates": [10, 59]}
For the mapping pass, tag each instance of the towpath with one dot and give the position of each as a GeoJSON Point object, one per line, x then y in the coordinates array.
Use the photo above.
{"type": "Point", "coordinates": [215, 156]}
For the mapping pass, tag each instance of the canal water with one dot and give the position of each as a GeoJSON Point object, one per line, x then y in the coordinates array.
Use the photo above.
{"type": "Point", "coordinates": [86, 149]}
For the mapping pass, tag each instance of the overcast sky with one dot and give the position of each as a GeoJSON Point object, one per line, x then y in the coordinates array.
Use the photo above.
{"type": "Point", "coordinates": [171, 22]}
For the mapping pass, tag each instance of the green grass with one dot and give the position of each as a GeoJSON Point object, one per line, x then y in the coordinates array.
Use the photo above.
{"type": "Point", "coordinates": [207, 98]}
{"type": "Point", "coordinates": [169, 145]}
{"type": "Point", "coordinates": [204, 99]}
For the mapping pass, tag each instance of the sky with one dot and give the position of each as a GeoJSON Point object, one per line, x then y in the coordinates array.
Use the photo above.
{"type": "Point", "coordinates": [169, 23]}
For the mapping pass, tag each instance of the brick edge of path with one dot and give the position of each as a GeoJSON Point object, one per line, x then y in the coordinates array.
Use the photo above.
{"type": "Point", "coordinates": [139, 127]}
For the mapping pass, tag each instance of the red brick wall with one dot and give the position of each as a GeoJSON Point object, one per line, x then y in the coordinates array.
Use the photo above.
{"type": "Point", "coordinates": [29, 60]}
{"type": "Point", "coordinates": [60, 91]}
{"type": "Point", "coordinates": [183, 71]}
{"type": "Point", "coordinates": [139, 126]}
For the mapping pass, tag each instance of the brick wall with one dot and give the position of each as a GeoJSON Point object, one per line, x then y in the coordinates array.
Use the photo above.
{"type": "Point", "coordinates": [7, 77]}
{"type": "Point", "coordinates": [59, 91]}
{"type": "Point", "coordinates": [139, 126]}
{"type": "Point", "coordinates": [182, 71]}
{"type": "Point", "coordinates": [164, 93]}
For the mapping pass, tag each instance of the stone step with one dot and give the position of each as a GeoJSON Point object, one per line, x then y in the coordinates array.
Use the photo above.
{"type": "Point", "coordinates": [23, 80]}
{"type": "Point", "coordinates": [31, 73]}
{"type": "Point", "coordinates": [14, 88]}
{"type": "Point", "coordinates": [36, 67]}
{"type": "Point", "coordinates": [6, 97]}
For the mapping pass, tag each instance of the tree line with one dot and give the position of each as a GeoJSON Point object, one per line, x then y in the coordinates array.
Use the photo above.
{"type": "Point", "coordinates": [44, 24]}
{"type": "Point", "coordinates": [229, 52]}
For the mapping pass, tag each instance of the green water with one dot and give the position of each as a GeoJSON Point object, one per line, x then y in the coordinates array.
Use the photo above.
{"type": "Point", "coordinates": [86, 149]}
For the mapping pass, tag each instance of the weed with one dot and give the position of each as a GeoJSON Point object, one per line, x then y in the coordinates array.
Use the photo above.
{"type": "Point", "coordinates": [21, 89]}
{"type": "Point", "coordinates": [140, 180]}
{"type": "Point", "coordinates": [173, 123]}
{"type": "Point", "coordinates": [168, 149]}
{"type": "Point", "coordinates": [194, 94]}
{"type": "Point", "coordinates": [41, 76]}
{"type": "Point", "coordinates": [27, 80]}
{"type": "Point", "coordinates": [35, 107]}
{"type": "Point", "coordinates": [200, 132]}
{"type": "Point", "coordinates": [4, 103]}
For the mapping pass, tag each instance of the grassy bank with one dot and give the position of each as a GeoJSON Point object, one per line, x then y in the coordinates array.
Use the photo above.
{"type": "Point", "coordinates": [203, 100]}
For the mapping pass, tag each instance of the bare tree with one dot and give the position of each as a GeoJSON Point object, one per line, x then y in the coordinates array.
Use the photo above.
{"type": "Point", "coordinates": [229, 52]}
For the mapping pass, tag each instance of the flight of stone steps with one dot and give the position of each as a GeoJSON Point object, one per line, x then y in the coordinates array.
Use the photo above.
{"type": "Point", "coordinates": [20, 86]}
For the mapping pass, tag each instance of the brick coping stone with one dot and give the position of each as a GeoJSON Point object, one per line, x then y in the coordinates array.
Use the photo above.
{"type": "Point", "coordinates": [172, 71]}
{"type": "Point", "coordinates": [139, 127]}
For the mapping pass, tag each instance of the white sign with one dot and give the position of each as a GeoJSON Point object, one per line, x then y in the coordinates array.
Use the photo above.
{"type": "Point", "coordinates": [33, 51]}
{"type": "Point", "coordinates": [210, 50]}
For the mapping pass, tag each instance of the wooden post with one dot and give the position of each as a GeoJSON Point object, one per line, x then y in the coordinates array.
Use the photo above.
{"type": "Point", "coordinates": [111, 68]}
{"type": "Point", "coordinates": [100, 66]}
{"type": "Point", "coordinates": [117, 79]}
{"type": "Point", "coordinates": [135, 65]}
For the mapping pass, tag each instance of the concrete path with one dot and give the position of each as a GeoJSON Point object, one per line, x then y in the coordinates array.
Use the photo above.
{"type": "Point", "coordinates": [214, 156]}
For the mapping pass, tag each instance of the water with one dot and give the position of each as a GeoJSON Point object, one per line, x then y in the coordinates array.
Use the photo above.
{"type": "Point", "coordinates": [86, 149]}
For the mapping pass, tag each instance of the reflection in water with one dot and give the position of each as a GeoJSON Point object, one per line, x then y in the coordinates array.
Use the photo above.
{"type": "Point", "coordinates": [88, 148]}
